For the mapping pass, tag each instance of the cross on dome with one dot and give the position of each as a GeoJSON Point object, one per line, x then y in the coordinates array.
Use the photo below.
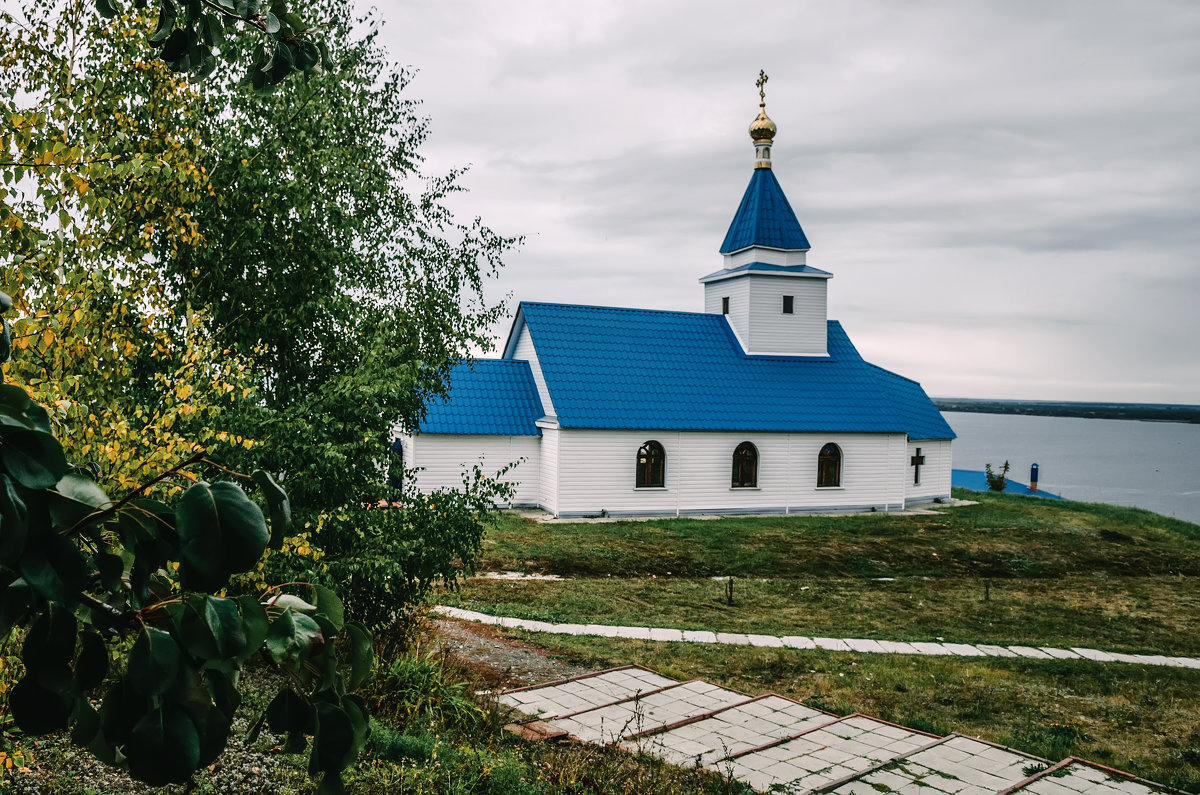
{"type": "Point", "coordinates": [762, 129]}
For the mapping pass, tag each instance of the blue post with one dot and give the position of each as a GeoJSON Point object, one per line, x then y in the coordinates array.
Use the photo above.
{"type": "Point", "coordinates": [1033, 476]}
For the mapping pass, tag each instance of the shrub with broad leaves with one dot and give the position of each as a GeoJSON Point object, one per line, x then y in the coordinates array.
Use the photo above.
{"type": "Point", "coordinates": [82, 572]}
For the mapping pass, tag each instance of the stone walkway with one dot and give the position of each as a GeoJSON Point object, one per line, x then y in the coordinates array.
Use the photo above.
{"type": "Point", "coordinates": [772, 742]}
{"type": "Point", "coordinates": [862, 645]}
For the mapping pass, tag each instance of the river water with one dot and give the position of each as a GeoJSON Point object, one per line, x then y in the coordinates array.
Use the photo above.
{"type": "Point", "coordinates": [1152, 465]}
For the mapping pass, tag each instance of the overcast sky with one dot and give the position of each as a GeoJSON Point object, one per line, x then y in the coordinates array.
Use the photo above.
{"type": "Point", "coordinates": [1007, 193]}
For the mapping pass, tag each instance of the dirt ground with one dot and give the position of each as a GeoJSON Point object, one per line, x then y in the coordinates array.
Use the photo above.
{"type": "Point", "coordinates": [498, 662]}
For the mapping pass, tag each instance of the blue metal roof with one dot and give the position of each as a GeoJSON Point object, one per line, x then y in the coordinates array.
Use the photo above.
{"type": "Point", "coordinates": [487, 396]}
{"type": "Point", "coordinates": [763, 267]}
{"type": "Point", "coordinates": [648, 369]}
{"type": "Point", "coordinates": [764, 218]}
{"type": "Point", "coordinates": [977, 481]}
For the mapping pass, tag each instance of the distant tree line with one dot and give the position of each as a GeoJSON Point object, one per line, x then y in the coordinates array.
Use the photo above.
{"type": "Point", "coordinates": [1161, 412]}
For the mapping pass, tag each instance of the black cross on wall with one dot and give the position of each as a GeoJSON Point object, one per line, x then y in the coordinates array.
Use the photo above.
{"type": "Point", "coordinates": [917, 460]}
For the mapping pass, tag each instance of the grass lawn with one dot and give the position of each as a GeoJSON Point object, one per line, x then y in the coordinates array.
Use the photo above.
{"type": "Point", "coordinates": [1008, 570]}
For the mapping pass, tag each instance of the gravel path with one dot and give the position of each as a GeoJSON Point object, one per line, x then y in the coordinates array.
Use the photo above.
{"type": "Point", "coordinates": [497, 661]}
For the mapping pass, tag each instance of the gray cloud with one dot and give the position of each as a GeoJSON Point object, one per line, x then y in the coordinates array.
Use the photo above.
{"type": "Point", "coordinates": [1007, 193]}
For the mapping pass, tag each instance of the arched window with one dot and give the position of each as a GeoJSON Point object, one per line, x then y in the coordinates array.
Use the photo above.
{"type": "Point", "coordinates": [651, 466]}
{"type": "Point", "coordinates": [829, 466]}
{"type": "Point", "coordinates": [745, 466]}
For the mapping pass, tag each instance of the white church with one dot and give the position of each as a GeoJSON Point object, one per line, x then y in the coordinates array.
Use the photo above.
{"type": "Point", "coordinates": [758, 404]}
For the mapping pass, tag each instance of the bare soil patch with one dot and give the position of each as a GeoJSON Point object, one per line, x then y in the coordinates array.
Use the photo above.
{"type": "Point", "coordinates": [496, 661]}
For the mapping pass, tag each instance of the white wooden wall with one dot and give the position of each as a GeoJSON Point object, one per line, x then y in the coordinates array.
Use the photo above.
{"type": "Point", "coordinates": [935, 474]}
{"type": "Point", "coordinates": [548, 486]}
{"type": "Point", "coordinates": [524, 350]}
{"type": "Point", "coordinates": [597, 471]}
{"type": "Point", "coordinates": [738, 291]}
{"type": "Point", "coordinates": [444, 457]}
{"type": "Point", "coordinates": [802, 332]}
{"type": "Point", "coordinates": [756, 312]}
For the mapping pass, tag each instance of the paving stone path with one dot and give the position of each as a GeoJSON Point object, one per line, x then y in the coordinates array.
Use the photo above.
{"type": "Point", "coordinates": [863, 645]}
{"type": "Point", "coordinates": [772, 741]}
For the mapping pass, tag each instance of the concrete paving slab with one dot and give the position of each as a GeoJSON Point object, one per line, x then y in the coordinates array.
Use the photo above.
{"type": "Point", "coordinates": [833, 644]}
{"type": "Point", "coordinates": [586, 692]}
{"type": "Point", "coordinates": [644, 714]}
{"type": "Point", "coordinates": [1076, 777]}
{"type": "Point", "coordinates": [731, 730]}
{"type": "Point", "coordinates": [861, 645]}
{"type": "Point", "coordinates": [957, 764]}
{"type": "Point", "coordinates": [845, 748]}
{"type": "Point", "coordinates": [633, 633]}
{"type": "Point", "coordinates": [964, 650]}
{"type": "Point", "coordinates": [733, 638]}
{"type": "Point", "coordinates": [768, 641]}
{"type": "Point", "coordinates": [797, 642]}
{"type": "Point", "coordinates": [923, 647]}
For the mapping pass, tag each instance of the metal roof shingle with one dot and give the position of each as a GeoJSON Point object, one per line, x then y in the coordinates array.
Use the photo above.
{"type": "Point", "coordinates": [487, 396]}
{"type": "Point", "coordinates": [650, 369]}
{"type": "Point", "coordinates": [764, 218]}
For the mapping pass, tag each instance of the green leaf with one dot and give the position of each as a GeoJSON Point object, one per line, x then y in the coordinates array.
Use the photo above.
{"type": "Point", "coordinates": [164, 747]}
{"type": "Point", "coordinates": [333, 745]}
{"type": "Point", "coordinates": [362, 654]}
{"type": "Point", "coordinates": [214, 30]}
{"type": "Point", "coordinates": [272, 26]}
{"type": "Point", "coordinates": [14, 528]}
{"type": "Point", "coordinates": [51, 640]}
{"type": "Point", "coordinates": [91, 664]}
{"type": "Point", "coordinates": [34, 459]}
{"type": "Point", "coordinates": [292, 637]}
{"type": "Point", "coordinates": [331, 784]}
{"type": "Point", "coordinates": [54, 567]}
{"type": "Point", "coordinates": [288, 713]}
{"type": "Point", "coordinates": [154, 661]}
{"type": "Point", "coordinates": [256, 625]}
{"type": "Point", "coordinates": [214, 735]}
{"type": "Point", "coordinates": [85, 723]}
{"type": "Point", "coordinates": [222, 532]}
{"type": "Point", "coordinates": [36, 709]}
{"type": "Point", "coordinates": [166, 22]}
{"type": "Point", "coordinates": [225, 623]}
{"type": "Point", "coordinates": [75, 497]}
{"type": "Point", "coordinates": [330, 606]}
{"type": "Point", "coordinates": [278, 505]}
{"type": "Point", "coordinates": [13, 402]}
{"type": "Point", "coordinates": [112, 568]}
{"type": "Point", "coordinates": [307, 56]}
{"type": "Point", "coordinates": [14, 603]}
{"type": "Point", "coordinates": [123, 706]}
{"type": "Point", "coordinates": [224, 692]}
{"type": "Point", "coordinates": [106, 8]}
{"type": "Point", "coordinates": [194, 632]}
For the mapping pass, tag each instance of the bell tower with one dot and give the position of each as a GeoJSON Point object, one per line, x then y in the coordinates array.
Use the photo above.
{"type": "Point", "coordinates": [774, 301]}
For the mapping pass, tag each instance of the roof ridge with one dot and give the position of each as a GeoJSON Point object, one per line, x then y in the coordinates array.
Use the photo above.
{"type": "Point", "coordinates": [640, 310]}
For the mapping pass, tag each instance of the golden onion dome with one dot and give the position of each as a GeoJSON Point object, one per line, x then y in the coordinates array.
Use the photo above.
{"type": "Point", "coordinates": [762, 128]}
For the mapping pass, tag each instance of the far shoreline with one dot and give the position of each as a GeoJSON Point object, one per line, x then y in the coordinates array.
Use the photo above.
{"type": "Point", "coordinates": [1152, 412]}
